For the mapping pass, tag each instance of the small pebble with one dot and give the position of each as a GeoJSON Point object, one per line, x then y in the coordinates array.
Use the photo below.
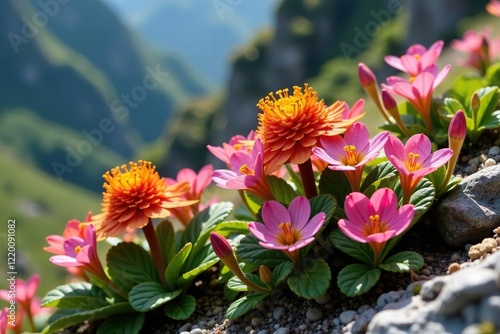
{"type": "Point", "coordinates": [494, 151]}
{"type": "Point", "coordinates": [255, 321]}
{"type": "Point", "coordinates": [490, 163]}
{"type": "Point", "coordinates": [483, 157]}
{"type": "Point", "coordinates": [278, 313]}
{"type": "Point", "coordinates": [282, 330]}
{"type": "Point", "coordinates": [323, 299]}
{"type": "Point", "coordinates": [217, 310]}
{"type": "Point", "coordinates": [453, 267]}
{"type": "Point", "coordinates": [314, 314]}
{"type": "Point", "coordinates": [455, 257]}
{"type": "Point", "coordinates": [425, 272]}
{"type": "Point", "coordinates": [347, 316]}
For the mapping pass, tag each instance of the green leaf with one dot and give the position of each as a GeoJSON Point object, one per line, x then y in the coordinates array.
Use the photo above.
{"type": "Point", "coordinates": [282, 191]}
{"type": "Point", "coordinates": [312, 281]}
{"type": "Point", "coordinates": [249, 251]}
{"type": "Point", "coordinates": [182, 308]}
{"type": "Point", "coordinates": [235, 284]}
{"type": "Point", "coordinates": [464, 86]}
{"type": "Point", "coordinates": [149, 295]}
{"type": "Point", "coordinates": [129, 261]}
{"type": "Point", "coordinates": [77, 318]}
{"type": "Point", "coordinates": [166, 238]}
{"type": "Point", "coordinates": [489, 101]}
{"type": "Point", "coordinates": [423, 197]}
{"type": "Point", "coordinates": [437, 177]}
{"type": "Point", "coordinates": [227, 228]}
{"type": "Point", "coordinates": [205, 220]}
{"type": "Point", "coordinates": [402, 262]}
{"type": "Point", "coordinates": [453, 105]}
{"type": "Point", "coordinates": [323, 203]}
{"type": "Point", "coordinates": [282, 271]}
{"type": "Point", "coordinates": [334, 183]}
{"type": "Point", "coordinates": [245, 304]}
{"type": "Point", "coordinates": [189, 276]}
{"type": "Point", "coordinates": [381, 176]}
{"type": "Point", "coordinates": [80, 295]}
{"type": "Point", "coordinates": [129, 324]}
{"type": "Point", "coordinates": [357, 250]}
{"type": "Point", "coordinates": [173, 271]}
{"type": "Point", "coordinates": [356, 279]}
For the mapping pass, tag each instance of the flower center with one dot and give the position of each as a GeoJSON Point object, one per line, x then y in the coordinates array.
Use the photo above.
{"type": "Point", "coordinates": [287, 235]}
{"type": "Point", "coordinates": [245, 170]}
{"type": "Point", "coordinates": [376, 226]}
{"type": "Point", "coordinates": [416, 56]}
{"type": "Point", "coordinates": [78, 249]}
{"type": "Point", "coordinates": [375, 219]}
{"type": "Point", "coordinates": [350, 151]}
{"type": "Point", "coordinates": [412, 162]}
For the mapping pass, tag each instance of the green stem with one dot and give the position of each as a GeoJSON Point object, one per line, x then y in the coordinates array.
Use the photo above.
{"type": "Point", "coordinates": [307, 176]}
{"type": "Point", "coordinates": [156, 254]}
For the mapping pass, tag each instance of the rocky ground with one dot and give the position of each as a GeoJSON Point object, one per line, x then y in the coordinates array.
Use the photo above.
{"type": "Point", "coordinates": [464, 277]}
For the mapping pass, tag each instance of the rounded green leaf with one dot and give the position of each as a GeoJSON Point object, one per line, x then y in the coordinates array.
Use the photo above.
{"type": "Point", "coordinates": [244, 304]}
{"type": "Point", "coordinates": [334, 183]}
{"type": "Point", "coordinates": [323, 203]}
{"type": "Point", "coordinates": [282, 271]}
{"type": "Point", "coordinates": [312, 281]}
{"type": "Point", "coordinates": [123, 324]}
{"type": "Point", "coordinates": [80, 295]}
{"type": "Point", "coordinates": [235, 284]}
{"type": "Point", "coordinates": [182, 308]}
{"type": "Point", "coordinates": [173, 271]}
{"type": "Point", "coordinates": [402, 262]}
{"type": "Point", "coordinates": [149, 295]}
{"type": "Point", "coordinates": [282, 191]}
{"type": "Point", "coordinates": [356, 279]}
{"type": "Point", "coordinates": [129, 261]}
{"type": "Point", "coordinates": [357, 250]}
{"type": "Point", "coordinates": [205, 220]}
{"type": "Point", "coordinates": [166, 239]}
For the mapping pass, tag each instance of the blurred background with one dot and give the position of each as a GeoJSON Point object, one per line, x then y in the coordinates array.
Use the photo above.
{"type": "Point", "coordinates": [89, 85]}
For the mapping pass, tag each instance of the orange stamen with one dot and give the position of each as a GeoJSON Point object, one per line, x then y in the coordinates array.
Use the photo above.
{"type": "Point", "coordinates": [412, 162]}
{"type": "Point", "coordinates": [350, 150]}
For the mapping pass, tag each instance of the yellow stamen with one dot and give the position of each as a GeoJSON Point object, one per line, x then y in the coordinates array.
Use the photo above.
{"type": "Point", "coordinates": [416, 56]}
{"type": "Point", "coordinates": [287, 237]}
{"type": "Point", "coordinates": [245, 170]}
{"type": "Point", "coordinates": [350, 150]}
{"type": "Point", "coordinates": [78, 249]}
{"type": "Point", "coordinates": [412, 162]}
{"type": "Point", "coordinates": [375, 219]}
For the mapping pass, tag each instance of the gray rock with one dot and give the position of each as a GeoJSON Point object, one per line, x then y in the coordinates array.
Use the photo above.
{"type": "Point", "coordinates": [430, 289]}
{"type": "Point", "coordinates": [282, 330]}
{"type": "Point", "coordinates": [347, 316]}
{"type": "Point", "coordinates": [489, 310]}
{"type": "Point", "coordinates": [278, 313]}
{"type": "Point", "coordinates": [494, 151]}
{"type": "Point", "coordinates": [472, 210]}
{"type": "Point", "coordinates": [314, 314]}
{"type": "Point", "coordinates": [361, 324]}
{"type": "Point", "coordinates": [465, 286]}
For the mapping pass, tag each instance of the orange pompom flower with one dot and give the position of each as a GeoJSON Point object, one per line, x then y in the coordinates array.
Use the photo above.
{"type": "Point", "coordinates": [291, 125]}
{"type": "Point", "coordinates": [133, 195]}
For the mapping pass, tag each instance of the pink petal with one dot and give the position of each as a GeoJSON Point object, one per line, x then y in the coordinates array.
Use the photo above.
{"type": "Point", "coordinates": [440, 157]}
{"type": "Point", "coordinates": [423, 84]}
{"type": "Point", "coordinates": [273, 214]}
{"type": "Point", "coordinates": [64, 261]}
{"type": "Point", "coordinates": [394, 147]}
{"type": "Point", "coordinates": [334, 148]}
{"type": "Point", "coordinates": [299, 210]}
{"type": "Point", "coordinates": [32, 285]}
{"type": "Point", "coordinates": [402, 220]}
{"type": "Point", "coordinates": [405, 89]}
{"type": "Point", "coordinates": [358, 208]}
{"type": "Point", "coordinates": [333, 159]}
{"type": "Point", "coordinates": [418, 49]}
{"type": "Point", "coordinates": [411, 65]}
{"type": "Point", "coordinates": [313, 226]}
{"type": "Point", "coordinates": [419, 144]}
{"type": "Point", "coordinates": [357, 135]}
{"type": "Point", "coordinates": [385, 202]}
{"type": "Point", "coordinates": [300, 244]}
{"type": "Point", "coordinates": [440, 77]}
{"type": "Point", "coordinates": [381, 237]}
{"type": "Point", "coordinates": [222, 176]}
{"type": "Point", "coordinates": [351, 230]}
{"type": "Point", "coordinates": [395, 62]}
{"type": "Point", "coordinates": [261, 232]}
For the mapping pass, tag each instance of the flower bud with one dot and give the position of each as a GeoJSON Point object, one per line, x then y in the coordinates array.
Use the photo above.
{"type": "Point", "coordinates": [475, 102]}
{"type": "Point", "coordinates": [221, 246]}
{"type": "Point", "coordinates": [458, 126]}
{"type": "Point", "coordinates": [366, 76]}
{"type": "Point", "coordinates": [266, 275]}
{"type": "Point", "coordinates": [391, 106]}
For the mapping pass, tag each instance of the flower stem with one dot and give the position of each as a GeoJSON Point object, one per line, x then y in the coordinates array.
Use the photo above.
{"type": "Point", "coordinates": [307, 176]}
{"type": "Point", "coordinates": [149, 233]}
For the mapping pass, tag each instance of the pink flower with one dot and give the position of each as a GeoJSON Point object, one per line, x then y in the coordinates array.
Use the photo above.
{"type": "Point", "coordinates": [417, 58]}
{"type": "Point", "coordinates": [3, 320]}
{"type": "Point", "coordinates": [198, 183]}
{"type": "Point", "coordinates": [479, 46]}
{"type": "Point", "coordinates": [355, 110]}
{"type": "Point", "coordinates": [493, 7]}
{"type": "Point", "coordinates": [287, 229]}
{"type": "Point", "coordinates": [419, 92]}
{"type": "Point", "coordinates": [351, 152]}
{"type": "Point", "coordinates": [25, 297]}
{"type": "Point", "coordinates": [247, 173]}
{"type": "Point", "coordinates": [74, 228]}
{"type": "Point", "coordinates": [414, 160]}
{"type": "Point", "coordinates": [235, 144]}
{"type": "Point", "coordinates": [375, 220]}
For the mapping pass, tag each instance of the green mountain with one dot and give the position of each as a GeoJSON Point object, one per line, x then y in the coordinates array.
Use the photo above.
{"type": "Point", "coordinates": [75, 66]}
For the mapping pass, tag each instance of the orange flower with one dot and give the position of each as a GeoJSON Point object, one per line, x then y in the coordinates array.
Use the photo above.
{"type": "Point", "coordinates": [291, 125]}
{"type": "Point", "coordinates": [135, 195]}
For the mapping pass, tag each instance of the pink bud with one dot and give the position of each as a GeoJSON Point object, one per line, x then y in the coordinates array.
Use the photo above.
{"type": "Point", "coordinates": [366, 76]}
{"type": "Point", "coordinates": [388, 101]}
{"type": "Point", "coordinates": [458, 126]}
{"type": "Point", "coordinates": [221, 246]}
